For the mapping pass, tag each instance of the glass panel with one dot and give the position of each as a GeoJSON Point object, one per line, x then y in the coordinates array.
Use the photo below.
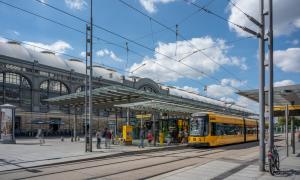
{"type": "Point", "coordinates": [12, 78]}
{"type": "Point", "coordinates": [25, 83]}
{"type": "Point", "coordinates": [54, 86]}
{"type": "Point", "coordinates": [199, 126]}
{"type": "Point", "coordinates": [219, 129]}
{"type": "Point", "coordinates": [44, 85]}
{"type": "Point", "coordinates": [1, 77]}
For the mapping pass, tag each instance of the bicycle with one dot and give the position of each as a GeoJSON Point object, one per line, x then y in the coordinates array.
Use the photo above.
{"type": "Point", "coordinates": [273, 158]}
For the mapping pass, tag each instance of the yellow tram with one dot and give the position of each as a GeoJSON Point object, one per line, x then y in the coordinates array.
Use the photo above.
{"type": "Point", "coordinates": [211, 129]}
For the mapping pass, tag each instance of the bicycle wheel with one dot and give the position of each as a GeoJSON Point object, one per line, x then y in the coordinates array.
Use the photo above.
{"type": "Point", "coordinates": [271, 166]}
{"type": "Point", "coordinates": [277, 162]}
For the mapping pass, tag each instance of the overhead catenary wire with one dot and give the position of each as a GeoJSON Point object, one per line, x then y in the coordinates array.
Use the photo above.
{"type": "Point", "coordinates": [137, 43]}
{"type": "Point", "coordinates": [197, 70]}
{"type": "Point", "coordinates": [177, 34]}
{"type": "Point", "coordinates": [244, 28]}
{"type": "Point", "coordinates": [251, 18]}
{"type": "Point", "coordinates": [179, 22]}
{"type": "Point", "coordinates": [74, 56]}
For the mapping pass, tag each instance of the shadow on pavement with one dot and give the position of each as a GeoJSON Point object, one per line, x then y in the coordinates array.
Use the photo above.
{"type": "Point", "coordinates": [287, 173]}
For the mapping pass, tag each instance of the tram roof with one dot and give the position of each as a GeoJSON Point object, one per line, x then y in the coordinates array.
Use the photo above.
{"type": "Point", "coordinates": [283, 95]}
{"type": "Point", "coordinates": [119, 95]}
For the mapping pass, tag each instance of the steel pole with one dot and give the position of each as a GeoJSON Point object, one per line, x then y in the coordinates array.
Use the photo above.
{"type": "Point", "coordinates": [293, 135]}
{"type": "Point", "coordinates": [74, 123]}
{"type": "Point", "coordinates": [262, 152]}
{"type": "Point", "coordinates": [90, 81]}
{"type": "Point", "coordinates": [271, 94]}
{"type": "Point", "coordinates": [154, 129]}
{"type": "Point", "coordinates": [128, 118]}
{"type": "Point", "coordinates": [86, 91]}
{"type": "Point", "coordinates": [287, 129]}
{"type": "Point", "coordinates": [116, 123]}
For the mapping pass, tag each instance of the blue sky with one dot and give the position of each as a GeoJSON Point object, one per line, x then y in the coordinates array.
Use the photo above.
{"type": "Point", "coordinates": [200, 29]}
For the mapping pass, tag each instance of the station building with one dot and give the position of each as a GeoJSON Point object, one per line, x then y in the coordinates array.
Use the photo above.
{"type": "Point", "coordinates": [29, 77]}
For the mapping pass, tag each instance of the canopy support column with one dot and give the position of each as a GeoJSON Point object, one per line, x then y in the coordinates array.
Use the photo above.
{"type": "Point", "coordinates": [128, 117]}
{"type": "Point", "coordinates": [154, 128]}
{"type": "Point", "coordinates": [293, 135]}
{"type": "Point", "coordinates": [74, 124]}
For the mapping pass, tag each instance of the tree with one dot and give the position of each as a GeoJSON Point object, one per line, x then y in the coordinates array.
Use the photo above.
{"type": "Point", "coordinates": [281, 121]}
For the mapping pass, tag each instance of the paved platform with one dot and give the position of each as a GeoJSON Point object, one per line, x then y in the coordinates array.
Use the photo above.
{"type": "Point", "coordinates": [29, 152]}
{"type": "Point", "coordinates": [239, 169]}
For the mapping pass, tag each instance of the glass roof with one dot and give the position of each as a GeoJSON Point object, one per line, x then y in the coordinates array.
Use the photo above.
{"type": "Point", "coordinates": [118, 95]}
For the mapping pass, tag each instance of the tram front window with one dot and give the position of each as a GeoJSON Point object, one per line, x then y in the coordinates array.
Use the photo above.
{"type": "Point", "coordinates": [199, 126]}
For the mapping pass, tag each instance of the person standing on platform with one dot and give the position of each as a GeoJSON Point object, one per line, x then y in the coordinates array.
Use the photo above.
{"type": "Point", "coordinates": [149, 137]}
{"type": "Point", "coordinates": [141, 145]}
{"type": "Point", "coordinates": [104, 135]}
{"type": "Point", "coordinates": [108, 137]}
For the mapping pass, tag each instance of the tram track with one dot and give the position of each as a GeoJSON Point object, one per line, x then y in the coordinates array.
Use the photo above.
{"type": "Point", "coordinates": [63, 166]}
{"type": "Point", "coordinates": [150, 164]}
{"type": "Point", "coordinates": [176, 160]}
{"type": "Point", "coordinates": [110, 157]}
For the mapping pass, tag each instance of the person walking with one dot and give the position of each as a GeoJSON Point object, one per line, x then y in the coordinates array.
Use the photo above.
{"type": "Point", "coordinates": [141, 145]}
{"type": "Point", "coordinates": [98, 136]}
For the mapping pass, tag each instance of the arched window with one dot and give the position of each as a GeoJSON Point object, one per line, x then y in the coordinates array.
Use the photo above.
{"type": "Point", "coordinates": [52, 88]}
{"type": "Point", "coordinates": [82, 88]}
{"type": "Point", "coordinates": [148, 88]}
{"type": "Point", "coordinates": [79, 89]}
{"type": "Point", "coordinates": [15, 89]}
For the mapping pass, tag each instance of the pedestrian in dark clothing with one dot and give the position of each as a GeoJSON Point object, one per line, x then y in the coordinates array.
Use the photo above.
{"type": "Point", "coordinates": [98, 136]}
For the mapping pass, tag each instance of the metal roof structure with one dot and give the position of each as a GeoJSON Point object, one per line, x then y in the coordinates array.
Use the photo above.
{"type": "Point", "coordinates": [116, 95]}
{"type": "Point", "coordinates": [283, 95]}
{"type": "Point", "coordinates": [160, 106]}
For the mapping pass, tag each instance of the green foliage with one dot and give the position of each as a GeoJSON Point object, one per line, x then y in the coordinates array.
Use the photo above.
{"type": "Point", "coordinates": [281, 121]}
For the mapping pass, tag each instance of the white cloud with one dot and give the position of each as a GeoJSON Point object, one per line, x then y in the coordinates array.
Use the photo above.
{"type": "Point", "coordinates": [189, 89]}
{"type": "Point", "coordinates": [288, 60]}
{"type": "Point", "coordinates": [227, 99]}
{"type": "Point", "coordinates": [247, 103]}
{"type": "Point", "coordinates": [82, 54]}
{"type": "Point", "coordinates": [76, 4]}
{"type": "Point", "coordinates": [150, 5]}
{"type": "Point", "coordinates": [16, 33]}
{"type": "Point", "coordinates": [216, 90]}
{"type": "Point", "coordinates": [286, 16]}
{"type": "Point", "coordinates": [232, 82]}
{"type": "Point", "coordinates": [293, 42]}
{"type": "Point", "coordinates": [58, 46]}
{"type": "Point", "coordinates": [2, 39]}
{"type": "Point", "coordinates": [284, 83]}
{"type": "Point", "coordinates": [111, 54]}
{"type": "Point", "coordinates": [166, 73]}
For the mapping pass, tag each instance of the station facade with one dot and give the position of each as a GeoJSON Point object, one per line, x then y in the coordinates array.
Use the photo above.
{"type": "Point", "coordinates": [29, 77]}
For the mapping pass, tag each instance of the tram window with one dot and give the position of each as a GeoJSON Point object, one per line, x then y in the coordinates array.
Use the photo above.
{"type": "Point", "coordinates": [220, 129]}
{"type": "Point", "coordinates": [199, 126]}
{"type": "Point", "coordinates": [251, 130]}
